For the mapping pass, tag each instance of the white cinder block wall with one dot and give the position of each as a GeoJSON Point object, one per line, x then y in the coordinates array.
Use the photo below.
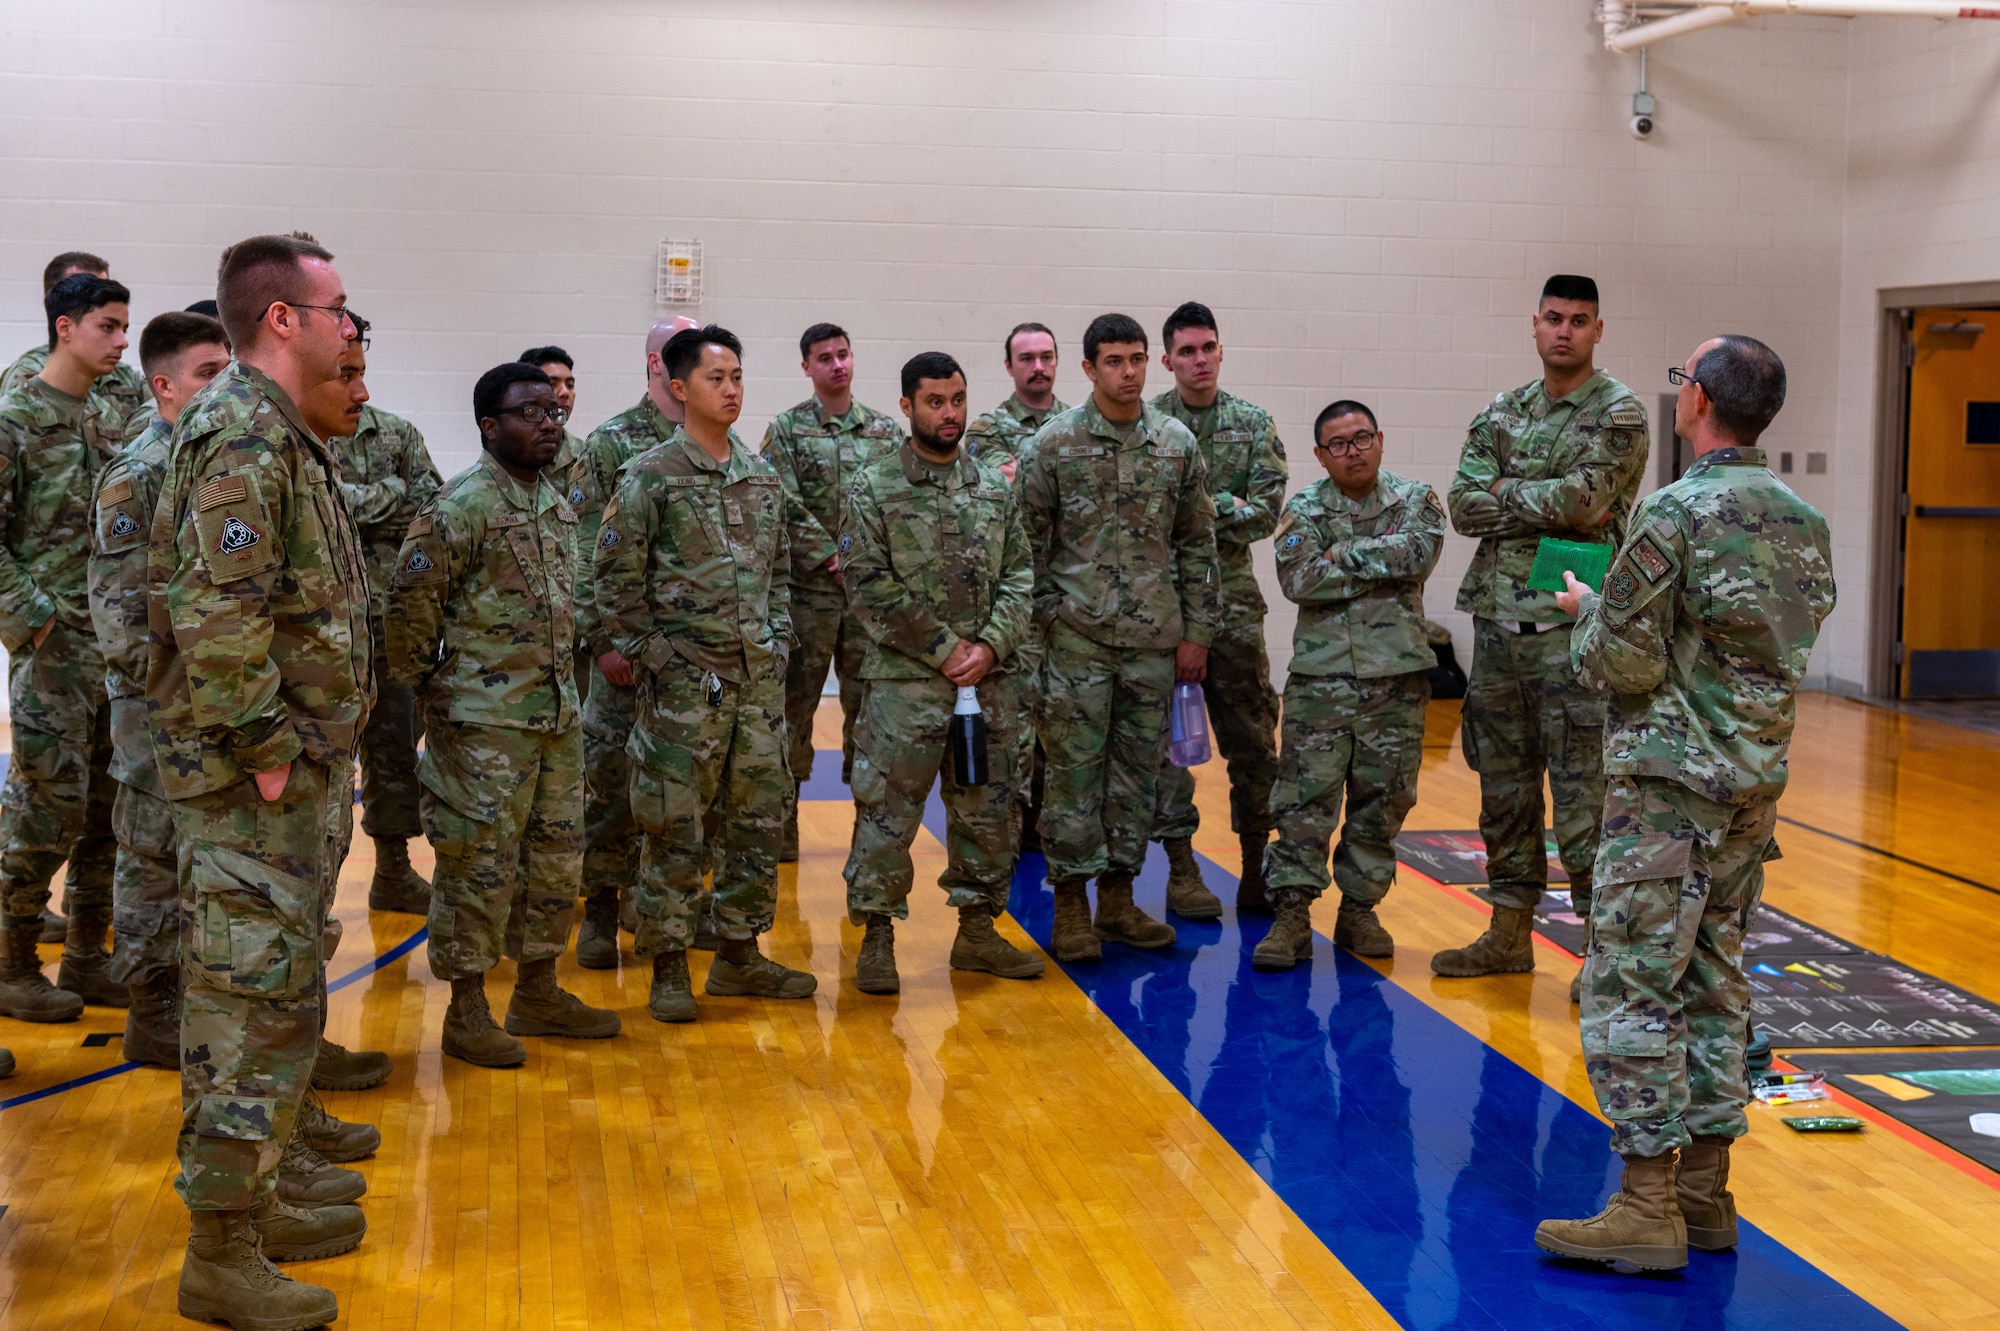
{"type": "Point", "coordinates": [1368, 193]}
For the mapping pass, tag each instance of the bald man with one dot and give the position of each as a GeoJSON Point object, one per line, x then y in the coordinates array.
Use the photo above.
{"type": "Point", "coordinates": [611, 838]}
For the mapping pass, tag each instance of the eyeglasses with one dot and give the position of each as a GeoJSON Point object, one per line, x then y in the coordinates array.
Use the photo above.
{"type": "Point", "coordinates": [534, 413]}
{"type": "Point", "coordinates": [1359, 443]}
{"type": "Point", "coordinates": [1677, 376]}
{"type": "Point", "coordinates": [340, 313]}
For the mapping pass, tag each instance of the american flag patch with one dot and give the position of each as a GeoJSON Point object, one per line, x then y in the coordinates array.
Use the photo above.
{"type": "Point", "coordinates": [222, 490]}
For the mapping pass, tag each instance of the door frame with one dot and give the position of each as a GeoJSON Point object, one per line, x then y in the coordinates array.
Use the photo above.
{"type": "Point", "coordinates": [1893, 308]}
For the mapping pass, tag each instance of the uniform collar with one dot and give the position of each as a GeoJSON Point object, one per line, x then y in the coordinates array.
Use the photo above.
{"type": "Point", "coordinates": [662, 427]}
{"type": "Point", "coordinates": [277, 397]}
{"type": "Point", "coordinates": [1736, 455]}
{"type": "Point", "coordinates": [918, 471]}
{"type": "Point", "coordinates": [537, 498]}
{"type": "Point", "coordinates": [731, 469]}
{"type": "Point", "coordinates": [852, 417]}
{"type": "Point", "coordinates": [1378, 500]}
{"type": "Point", "coordinates": [1147, 426]}
{"type": "Point", "coordinates": [1544, 404]}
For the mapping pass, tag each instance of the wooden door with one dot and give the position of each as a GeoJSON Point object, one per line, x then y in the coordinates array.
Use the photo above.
{"type": "Point", "coordinates": [1951, 531]}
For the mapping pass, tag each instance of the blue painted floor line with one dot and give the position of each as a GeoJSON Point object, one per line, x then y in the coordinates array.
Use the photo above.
{"type": "Point", "coordinates": [1420, 1156]}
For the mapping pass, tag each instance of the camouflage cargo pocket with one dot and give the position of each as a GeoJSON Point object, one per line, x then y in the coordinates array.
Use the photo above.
{"type": "Point", "coordinates": [1638, 1037]}
{"type": "Point", "coordinates": [256, 928]}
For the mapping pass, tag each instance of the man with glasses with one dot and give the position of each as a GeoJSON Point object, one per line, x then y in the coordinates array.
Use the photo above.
{"type": "Point", "coordinates": [1353, 552]}
{"type": "Point", "coordinates": [1561, 457]}
{"type": "Point", "coordinates": [386, 475]}
{"type": "Point", "coordinates": [259, 680]}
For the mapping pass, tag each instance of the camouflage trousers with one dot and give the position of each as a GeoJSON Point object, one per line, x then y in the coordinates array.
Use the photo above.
{"type": "Point", "coordinates": [900, 751]}
{"type": "Point", "coordinates": [709, 786]}
{"type": "Point", "coordinates": [145, 884]}
{"type": "Point", "coordinates": [503, 809]}
{"type": "Point", "coordinates": [256, 883]}
{"type": "Point", "coordinates": [610, 837]}
{"type": "Point", "coordinates": [56, 805]}
{"type": "Point", "coordinates": [1666, 1008]}
{"type": "Point", "coordinates": [389, 790]}
{"type": "Point", "coordinates": [1526, 713]}
{"type": "Point", "coordinates": [1104, 728]}
{"type": "Point", "coordinates": [827, 636]}
{"type": "Point", "coordinates": [1358, 738]}
{"type": "Point", "coordinates": [1243, 719]}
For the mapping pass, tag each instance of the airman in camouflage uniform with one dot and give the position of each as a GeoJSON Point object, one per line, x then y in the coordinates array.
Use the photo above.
{"type": "Point", "coordinates": [1538, 464]}
{"type": "Point", "coordinates": [1701, 638]}
{"type": "Point", "coordinates": [480, 621]}
{"type": "Point", "coordinates": [1356, 689]}
{"type": "Point", "coordinates": [1001, 437]}
{"type": "Point", "coordinates": [817, 452]}
{"type": "Point", "coordinates": [1247, 476]}
{"type": "Point", "coordinates": [1122, 528]}
{"type": "Point", "coordinates": [942, 577]}
{"type": "Point", "coordinates": [124, 402]}
{"type": "Point", "coordinates": [386, 475]}
{"type": "Point", "coordinates": [59, 791]}
{"type": "Point", "coordinates": [692, 560]}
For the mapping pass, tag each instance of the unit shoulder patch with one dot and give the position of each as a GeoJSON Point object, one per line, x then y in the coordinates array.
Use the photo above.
{"type": "Point", "coordinates": [237, 536]}
{"type": "Point", "coordinates": [1619, 590]}
{"type": "Point", "coordinates": [419, 562]}
{"type": "Point", "coordinates": [1651, 560]}
{"type": "Point", "coordinates": [124, 525]}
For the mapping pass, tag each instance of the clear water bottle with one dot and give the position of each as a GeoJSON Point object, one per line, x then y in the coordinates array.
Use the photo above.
{"type": "Point", "coordinates": [1188, 719]}
{"type": "Point", "coordinates": [968, 739]}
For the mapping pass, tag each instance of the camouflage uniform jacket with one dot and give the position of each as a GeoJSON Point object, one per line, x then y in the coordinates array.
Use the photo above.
{"type": "Point", "coordinates": [933, 562]}
{"type": "Point", "coordinates": [53, 447]}
{"type": "Point", "coordinates": [693, 558]}
{"type": "Point", "coordinates": [1563, 464]}
{"type": "Point", "coordinates": [254, 590]}
{"type": "Point", "coordinates": [386, 475]}
{"type": "Point", "coordinates": [480, 616]}
{"type": "Point", "coordinates": [1247, 475]}
{"type": "Point", "coordinates": [125, 396]}
{"type": "Point", "coordinates": [1003, 434]}
{"type": "Point", "coordinates": [594, 472]}
{"type": "Point", "coordinates": [121, 525]}
{"type": "Point", "coordinates": [1122, 529]}
{"type": "Point", "coordinates": [817, 456]}
{"type": "Point", "coordinates": [1356, 568]}
{"type": "Point", "coordinates": [1708, 615]}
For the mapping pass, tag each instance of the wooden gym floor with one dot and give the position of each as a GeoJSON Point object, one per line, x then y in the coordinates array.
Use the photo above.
{"type": "Point", "coordinates": [1162, 1141]}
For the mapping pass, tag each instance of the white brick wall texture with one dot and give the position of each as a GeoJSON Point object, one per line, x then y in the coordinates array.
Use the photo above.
{"type": "Point", "coordinates": [1368, 193]}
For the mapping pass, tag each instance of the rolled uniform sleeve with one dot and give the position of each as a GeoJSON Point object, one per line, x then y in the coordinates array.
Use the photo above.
{"type": "Point", "coordinates": [1623, 639]}
{"type": "Point", "coordinates": [1475, 510]}
{"type": "Point", "coordinates": [1194, 554]}
{"type": "Point", "coordinates": [1259, 510]}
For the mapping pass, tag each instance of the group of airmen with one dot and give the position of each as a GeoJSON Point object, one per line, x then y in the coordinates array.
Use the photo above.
{"type": "Point", "coordinates": [226, 582]}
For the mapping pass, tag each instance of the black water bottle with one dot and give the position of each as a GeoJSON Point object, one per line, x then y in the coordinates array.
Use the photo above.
{"type": "Point", "coordinates": [968, 739]}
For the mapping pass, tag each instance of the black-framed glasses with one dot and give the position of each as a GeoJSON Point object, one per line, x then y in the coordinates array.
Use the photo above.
{"type": "Point", "coordinates": [1677, 376]}
{"type": "Point", "coordinates": [1359, 443]}
{"type": "Point", "coordinates": [340, 313]}
{"type": "Point", "coordinates": [534, 413]}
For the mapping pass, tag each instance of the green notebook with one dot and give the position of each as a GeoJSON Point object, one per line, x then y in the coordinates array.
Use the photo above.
{"type": "Point", "coordinates": [1588, 560]}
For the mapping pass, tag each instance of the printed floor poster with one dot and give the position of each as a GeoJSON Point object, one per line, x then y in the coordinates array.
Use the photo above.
{"type": "Point", "coordinates": [1952, 1096]}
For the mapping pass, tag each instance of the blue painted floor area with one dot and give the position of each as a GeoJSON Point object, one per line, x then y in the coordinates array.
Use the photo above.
{"type": "Point", "coordinates": [1419, 1156]}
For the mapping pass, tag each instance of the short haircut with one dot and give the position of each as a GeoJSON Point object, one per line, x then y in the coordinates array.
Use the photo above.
{"type": "Point", "coordinates": [928, 365]}
{"type": "Point", "coordinates": [79, 294]}
{"type": "Point", "coordinates": [1569, 286]}
{"type": "Point", "coordinates": [549, 355]}
{"type": "Point", "coordinates": [168, 335]}
{"type": "Point", "coordinates": [819, 333]}
{"type": "Point", "coordinates": [683, 350]}
{"type": "Point", "coordinates": [254, 273]}
{"type": "Point", "coordinates": [1189, 314]}
{"type": "Point", "coordinates": [1111, 328]}
{"type": "Point", "coordinates": [60, 266]}
{"type": "Point", "coordinates": [1745, 381]}
{"type": "Point", "coordinates": [491, 390]}
{"type": "Point", "coordinates": [1333, 411]}
{"type": "Point", "coordinates": [1024, 328]}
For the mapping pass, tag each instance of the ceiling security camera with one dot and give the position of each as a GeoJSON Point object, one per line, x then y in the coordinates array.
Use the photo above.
{"type": "Point", "coordinates": [1642, 127]}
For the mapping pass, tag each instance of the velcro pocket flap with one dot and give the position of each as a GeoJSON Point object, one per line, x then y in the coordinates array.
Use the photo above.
{"type": "Point", "coordinates": [247, 1118]}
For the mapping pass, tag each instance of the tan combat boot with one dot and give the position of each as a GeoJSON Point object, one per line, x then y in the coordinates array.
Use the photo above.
{"type": "Point", "coordinates": [226, 1278]}
{"type": "Point", "coordinates": [397, 886]}
{"type": "Point", "coordinates": [1576, 984]}
{"type": "Point", "coordinates": [1506, 948]}
{"type": "Point", "coordinates": [1702, 1188]}
{"type": "Point", "coordinates": [597, 938]}
{"type": "Point", "coordinates": [25, 993]}
{"type": "Point", "coordinates": [153, 1022]}
{"type": "Point", "coordinates": [333, 1139]}
{"type": "Point", "coordinates": [1252, 897]}
{"type": "Point", "coordinates": [741, 971]}
{"type": "Point", "coordinates": [540, 1006]}
{"type": "Point", "coordinates": [306, 1233]}
{"type": "Point", "coordinates": [306, 1179]}
{"type": "Point", "coordinates": [706, 939]}
{"type": "Point", "coordinates": [672, 996]}
{"type": "Point", "coordinates": [1641, 1225]}
{"type": "Point", "coordinates": [875, 967]}
{"type": "Point", "coordinates": [1358, 930]}
{"type": "Point", "coordinates": [1071, 936]}
{"type": "Point", "coordinates": [6, 1062]}
{"type": "Point", "coordinates": [1290, 938]}
{"type": "Point", "coordinates": [1119, 920]}
{"type": "Point", "coordinates": [469, 1030]}
{"type": "Point", "coordinates": [86, 961]}
{"type": "Point", "coordinates": [979, 947]}
{"type": "Point", "coordinates": [1187, 896]}
{"type": "Point", "coordinates": [338, 1068]}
